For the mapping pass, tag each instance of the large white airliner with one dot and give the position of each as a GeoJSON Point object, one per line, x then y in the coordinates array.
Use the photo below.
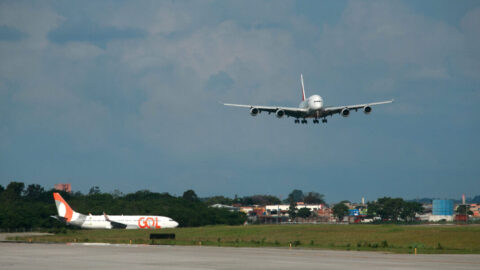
{"type": "Point", "coordinates": [311, 107]}
{"type": "Point", "coordinates": [70, 217]}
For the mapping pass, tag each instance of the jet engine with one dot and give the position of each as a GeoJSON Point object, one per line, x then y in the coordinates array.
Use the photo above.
{"type": "Point", "coordinates": [345, 112]}
{"type": "Point", "coordinates": [254, 111]}
{"type": "Point", "coordinates": [367, 109]}
{"type": "Point", "coordinates": [280, 113]}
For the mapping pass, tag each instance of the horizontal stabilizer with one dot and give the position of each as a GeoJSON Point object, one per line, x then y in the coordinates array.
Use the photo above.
{"type": "Point", "coordinates": [115, 225]}
{"type": "Point", "coordinates": [59, 218]}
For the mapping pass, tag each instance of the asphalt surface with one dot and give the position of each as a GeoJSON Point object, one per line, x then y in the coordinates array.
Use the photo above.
{"type": "Point", "coordinates": [101, 256]}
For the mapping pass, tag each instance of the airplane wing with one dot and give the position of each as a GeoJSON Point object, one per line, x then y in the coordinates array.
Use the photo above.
{"type": "Point", "coordinates": [289, 111]}
{"type": "Point", "coordinates": [115, 225]}
{"type": "Point", "coordinates": [338, 109]}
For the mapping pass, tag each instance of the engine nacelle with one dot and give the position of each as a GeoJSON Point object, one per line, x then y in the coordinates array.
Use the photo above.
{"type": "Point", "coordinates": [367, 109]}
{"type": "Point", "coordinates": [280, 113]}
{"type": "Point", "coordinates": [345, 112]}
{"type": "Point", "coordinates": [254, 111]}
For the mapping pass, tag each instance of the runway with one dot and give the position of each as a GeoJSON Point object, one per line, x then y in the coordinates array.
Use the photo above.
{"type": "Point", "coordinates": [101, 256]}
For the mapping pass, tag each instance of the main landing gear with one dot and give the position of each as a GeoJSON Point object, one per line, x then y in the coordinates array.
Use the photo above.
{"type": "Point", "coordinates": [298, 121]}
{"type": "Point", "coordinates": [316, 121]}
{"type": "Point", "coordinates": [304, 121]}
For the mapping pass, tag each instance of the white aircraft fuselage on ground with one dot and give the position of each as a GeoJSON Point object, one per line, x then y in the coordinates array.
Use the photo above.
{"type": "Point", "coordinates": [70, 217]}
{"type": "Point", "coordinates": [311, 107]}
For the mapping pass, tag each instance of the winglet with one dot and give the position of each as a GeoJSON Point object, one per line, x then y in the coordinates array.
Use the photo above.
{"type": "Point", "coordinates": [303, 87]}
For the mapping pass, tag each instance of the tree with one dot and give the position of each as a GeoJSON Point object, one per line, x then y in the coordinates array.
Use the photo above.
{"type": "Point", "coordinates": [117, 194]}
{"type": "Point", "coordinates": [14, 190]}
{"type": "Point", "coordinates": [304, 212]}
{"type": "Point", "coordinates": [372, 209]}
{"type": "Point", "coordinates": [190, 195]}
{"type": "Point", "coordinates": [391, 209]}
{"type": "Point", "coordinates": [476, 199]}
{"type": "Point", "coordinates": [94, 190]}
{"type": "Point", "coordinates": [409, 210]}
{"type": "Point", "coordinates": [218, 200]}
{"type": "Point", "coordinates": [292, 210]}
{"type": "Point", "coordinates": [295, 196]}
{"type": "Point", "coordinates": [387, 208]}
{"type": "Point", "coordinates": [314, 198]}
{"type": "Point", "coordinates": [264, 199]}
{"type": "Point", "coordinates": [34, 191]}
{"type": "Point", "coordinates": [340, 210]}
{"type": "Point", "coordinates": [464, 209]}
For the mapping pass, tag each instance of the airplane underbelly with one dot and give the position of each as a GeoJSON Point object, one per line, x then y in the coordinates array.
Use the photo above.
{"type": "Point", "coordinates": [315, 114]}
{"type": "Point", "coordinates": [96, 225]}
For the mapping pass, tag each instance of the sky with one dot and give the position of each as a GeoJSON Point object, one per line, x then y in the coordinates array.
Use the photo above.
{"type": "Point", "coordinates": [125, 95]}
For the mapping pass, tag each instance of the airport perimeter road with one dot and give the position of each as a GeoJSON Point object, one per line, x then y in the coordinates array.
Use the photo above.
{"type": "Point", "coordinates": [63, 256]}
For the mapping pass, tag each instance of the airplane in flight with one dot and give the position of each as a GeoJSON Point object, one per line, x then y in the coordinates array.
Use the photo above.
{"type": "Point", "coordinates": [70, 217]}
{"type": "Point", "coordinates": [312, 107]}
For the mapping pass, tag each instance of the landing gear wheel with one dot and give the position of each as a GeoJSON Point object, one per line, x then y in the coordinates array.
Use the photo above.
{"type": "Point", "coordinates": [315, 121]}
{"type": "Point", "coordinates": [304, 121]}
{"type": "Point", "coordinates": [297, 121]}
{"type": "Point", "coordinates": [324, 120]}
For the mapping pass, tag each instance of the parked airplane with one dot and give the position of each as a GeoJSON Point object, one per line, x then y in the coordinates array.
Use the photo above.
{"type": "Point", "coordinates": [70, 217]}
{"type": "Point", "coordinates": [311, 107]}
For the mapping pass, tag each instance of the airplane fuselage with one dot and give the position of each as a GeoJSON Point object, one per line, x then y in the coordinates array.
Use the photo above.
{"type": "Point", "coordinates": [313, 103]}
{"type": "Point", "coordinates": [131, 222]}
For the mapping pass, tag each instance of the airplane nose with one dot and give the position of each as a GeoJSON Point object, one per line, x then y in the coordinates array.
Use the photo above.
{"type": "Point", "coordinates": [175, 224]}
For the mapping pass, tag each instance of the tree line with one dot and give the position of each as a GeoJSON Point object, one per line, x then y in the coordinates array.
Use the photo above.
{"type": "Point", "coordinates": [386, 208]}
{"type": "Point", "coordinates": [32, 206]}
{"type": "Point", "coordinates": [295, 196]}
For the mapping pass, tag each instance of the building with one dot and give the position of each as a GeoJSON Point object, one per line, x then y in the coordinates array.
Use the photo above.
{"type": "Point", "coordinates": [475, 208]}
{"type": "Point", "coordinates": [63, 187]}
{"type": "Point", "coordinates": [441, 210]}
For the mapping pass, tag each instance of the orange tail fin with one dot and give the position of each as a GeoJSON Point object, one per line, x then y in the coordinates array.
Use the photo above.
{"type": "Point", "coordinates": [64, 210]}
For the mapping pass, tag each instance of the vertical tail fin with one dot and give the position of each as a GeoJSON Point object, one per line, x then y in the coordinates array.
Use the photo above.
{"type": "Point", "coordinates": [64, 210]}
{"type": "Point", "coordinates": [303, 87]}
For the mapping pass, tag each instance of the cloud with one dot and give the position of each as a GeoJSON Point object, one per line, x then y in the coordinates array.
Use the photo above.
{"type": "Point", "coordinates": [392, 36]}
{"type": "Point", "coordinates": [470, 26]}
{"type": "Point", "coordinates": [19, 15]}
{"type": "Point", "coordinates": [133, 93]}
{"type": "Point", "coordinates": [93, 33]}
{"type": "Point", "coordinates": [10, 34]}
{"type": "Point", "coordinates": [219, 82]}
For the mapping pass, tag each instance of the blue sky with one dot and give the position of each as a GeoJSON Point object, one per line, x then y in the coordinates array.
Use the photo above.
{"type": "Point", "coordinates": [124, 95]}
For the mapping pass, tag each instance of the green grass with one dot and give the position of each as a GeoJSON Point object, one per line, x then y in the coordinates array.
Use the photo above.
{"type": "Point", "coordinates": [386, 238]}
